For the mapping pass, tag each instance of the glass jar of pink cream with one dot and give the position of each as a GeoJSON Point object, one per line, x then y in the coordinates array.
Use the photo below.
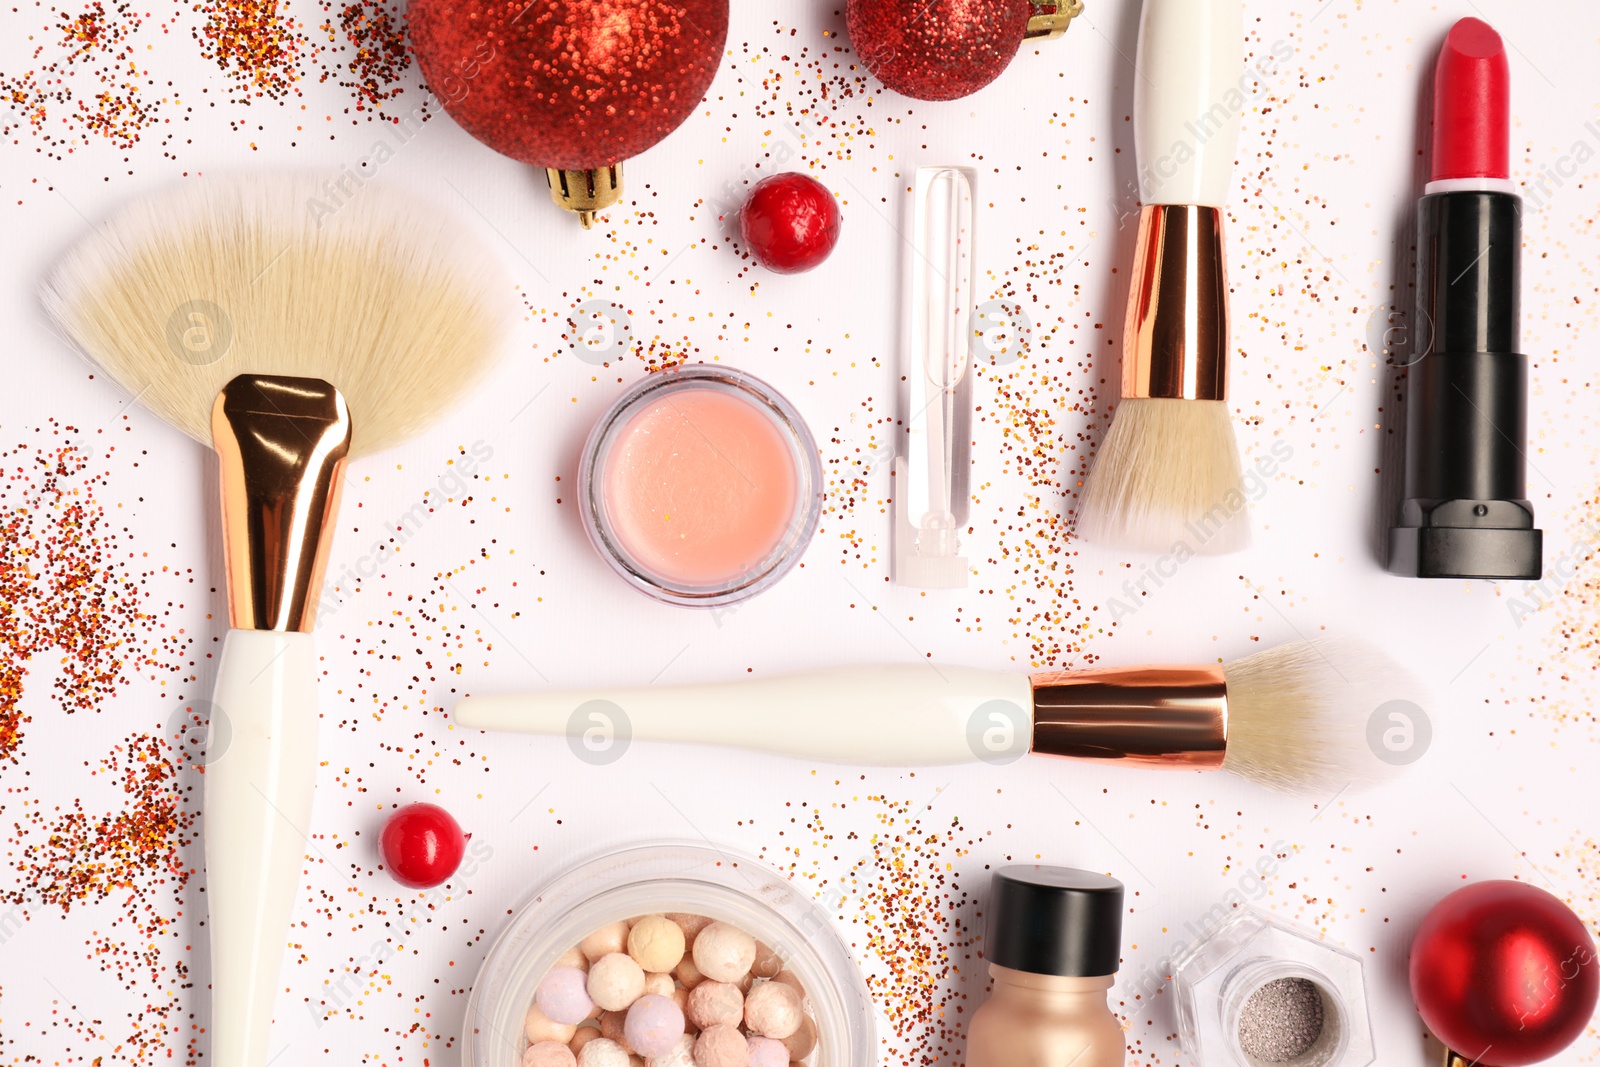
{"type": "Point", "coordinates": [700, 486]}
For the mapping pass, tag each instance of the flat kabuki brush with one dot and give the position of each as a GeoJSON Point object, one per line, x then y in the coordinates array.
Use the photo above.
{"type": "Point", "coordinates": [1292, 718]}
{"type": "Point", "coordinates": [1167, 474]}
{"type": "Point", "coordinates": [291, 333]}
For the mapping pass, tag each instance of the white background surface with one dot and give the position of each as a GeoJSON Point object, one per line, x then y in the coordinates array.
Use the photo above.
{"type": "Point", "coordinates": [501, 590]}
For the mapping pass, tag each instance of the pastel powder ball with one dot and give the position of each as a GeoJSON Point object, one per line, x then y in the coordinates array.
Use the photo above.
{"type": "Point", "coordinates": [680, 1055]}
{"type": "Point", "coordinates": [721, 1046]}
{"type": "Point", "coordinates": [656, 943]}
{"type": "Point", "coordinates": [724, 953]}
{"type": "Point", "coordinates": [687, 974]}
{"type": "Point", "coordinates": [548, 1054]}
{"type": "Point", "coordinates": [653, 1025]}
{"type": "Point", "coordinates": [801, 1043]}
{"type": "Point", "coordinates": [611, 1028]}
{"type": "Point", "coordinates": [691, 925]}
{"type": "Point", "coordinates": [537, 1027]}
{"type": "Point", "coordinates": [602, 1052]}
{"type": "Point", "coordinates": [767, 964]}
{"type": "Point", "coordinates": [715, 1004]}
{"type": "Point", "coordinates": [615, 981]}
{"type": "Point", "coordinates": [773, 1009]}
{"type": "Point", "coordinates": [612, 937]}
{"type": "Point", "coordinates": [768, 1052]}
{"type": "Point", "coordinates": [563, 995]}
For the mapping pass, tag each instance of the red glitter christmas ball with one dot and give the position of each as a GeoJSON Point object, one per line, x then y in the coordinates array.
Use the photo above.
{"type": "Point", "coordinates": [938, 49]}
{"type": "Point", "coordinates": [1504, 974]}
{"type": "Point", "coordinates": [568, 84]}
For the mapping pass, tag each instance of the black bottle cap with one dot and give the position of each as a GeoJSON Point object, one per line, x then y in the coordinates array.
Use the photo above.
{"type": "Point", "coordinates": [1054, 920]}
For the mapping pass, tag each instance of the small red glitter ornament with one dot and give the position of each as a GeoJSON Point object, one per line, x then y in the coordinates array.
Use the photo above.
{"type": "Point", "coordinates": [1504, 974]}
{"type": "Point", "coordinates": [944, 49]}
{"type": "Point", "coordinates": [574, 86]}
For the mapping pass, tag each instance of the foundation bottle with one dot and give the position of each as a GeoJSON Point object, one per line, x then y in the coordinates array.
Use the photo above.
{"type": "Point", "coordinates": [1053, 940]}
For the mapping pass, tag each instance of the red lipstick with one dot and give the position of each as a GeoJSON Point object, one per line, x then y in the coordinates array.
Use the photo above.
{"type": "Point", "coordinates": [1472, 105]}
{"type": "Point", "coordinates": [1466, 513]}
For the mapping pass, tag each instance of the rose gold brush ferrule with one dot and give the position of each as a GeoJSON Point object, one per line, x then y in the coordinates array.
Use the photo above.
{"type": "Point", "coordinates": [1156, 716]}
{"type": "Point", "coordinates": [282, 443]}
{"type": "Point", "coordinates": [1175, 342]}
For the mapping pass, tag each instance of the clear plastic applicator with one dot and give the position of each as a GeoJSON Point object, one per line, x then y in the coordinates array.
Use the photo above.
{"type": "Point", "coordinates": [932, 477]}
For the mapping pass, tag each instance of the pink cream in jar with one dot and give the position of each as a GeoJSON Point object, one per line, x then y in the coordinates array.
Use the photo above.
{"type": "Point", "coordinates": [701, 486]}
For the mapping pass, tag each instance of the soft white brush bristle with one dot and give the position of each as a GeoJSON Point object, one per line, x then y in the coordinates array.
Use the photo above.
{"type": "Point", "coordinates": [385, 297]}
{"type": "Point", "coordinates": [1299, 715]}
{"type": "Point", "coordinates": [1167, 479]}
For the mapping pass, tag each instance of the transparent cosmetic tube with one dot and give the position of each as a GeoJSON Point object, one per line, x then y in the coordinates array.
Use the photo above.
{"type": "Point", "coordinates": [932, 476]}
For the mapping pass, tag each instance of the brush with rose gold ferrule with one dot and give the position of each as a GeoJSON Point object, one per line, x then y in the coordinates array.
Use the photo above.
{"type": "Point", "coordinates": [282, 444]}
{"type": "Point", "coordinates": [1291, 718]}
{"type": "Point", "coordinates": [1168, 470]}
{"type": "Point", "coordinates": [287, 339]}
{"type": "Point", "coordinates": [913, 715]}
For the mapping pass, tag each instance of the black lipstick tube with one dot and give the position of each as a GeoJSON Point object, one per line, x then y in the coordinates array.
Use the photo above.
{"type": "Point", "coordinates": [1466, 513]}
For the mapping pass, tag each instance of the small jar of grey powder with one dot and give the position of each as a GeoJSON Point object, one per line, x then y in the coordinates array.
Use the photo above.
{"type": "Point", "coordinates": [1257, 992]}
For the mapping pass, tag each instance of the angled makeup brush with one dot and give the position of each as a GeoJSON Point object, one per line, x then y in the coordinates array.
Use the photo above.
{"type": "Point", "coordinates": [1168, 471]}
{"type": "Point", "coordinates": [1292, 718]}
{"type": "Point", "coordinates": [291, 331]}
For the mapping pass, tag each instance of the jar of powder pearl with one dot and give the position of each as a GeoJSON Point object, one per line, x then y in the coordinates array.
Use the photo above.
{"type": "Point", "coordinates": [669, 879]}
{"type": "Point", "coordinates": [700, 486]}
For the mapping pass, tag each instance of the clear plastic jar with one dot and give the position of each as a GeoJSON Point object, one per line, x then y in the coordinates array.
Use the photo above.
{"type": "Point", "coordinates": [788, 478]}
{"type": "Point", "coordinates": [640, 880]}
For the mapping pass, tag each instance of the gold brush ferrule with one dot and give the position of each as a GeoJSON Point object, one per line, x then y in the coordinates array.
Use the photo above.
{"type": "Point", "coordinates": [282, 444]}
{"type": "Point", "coordinates": [1155, 716]}
{"type": "Point", "coordinates": [585, 192]}
{"type": "Point", "coordinates": [1051, 19]}
{"type": "Point", "coordinates": [1175, 342]}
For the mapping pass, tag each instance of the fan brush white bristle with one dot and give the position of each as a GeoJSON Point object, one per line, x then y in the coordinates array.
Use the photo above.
{"type": "Point", "coordinates": [1298, 715]}
{"type": "Point", "coordinates": [1167, 478]}
{"type": "Point", "coordinates": [391, 301]}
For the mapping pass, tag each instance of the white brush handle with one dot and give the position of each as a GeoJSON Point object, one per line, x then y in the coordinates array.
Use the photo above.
{"type": "Point", "coordinates": [258, 793]}
{"type": "Point", "coordinates": [889, 716]}
{"type": "Point", "coordinates": [1189, 91]}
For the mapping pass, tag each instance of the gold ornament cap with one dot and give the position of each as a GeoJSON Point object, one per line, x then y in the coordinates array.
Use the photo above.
{"type": "Point", "coordinates": [1051, 19]}
{"type": "Point", "coordinates": [585, 192]}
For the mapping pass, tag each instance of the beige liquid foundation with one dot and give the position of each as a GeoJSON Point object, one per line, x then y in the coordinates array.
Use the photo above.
{"type": "Point", "coordinates": [1054, 943]}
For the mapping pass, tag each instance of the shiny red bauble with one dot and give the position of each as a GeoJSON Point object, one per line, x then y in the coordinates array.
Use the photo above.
{"type": "Point", "coordinates": [1504, 974]}
{"type": "Point", "coordinates": [569, 84]}
{"type": "Point", "coordinates": [422, 845]}
{"type": "Point", "coordinates": [937, 49]}
{"type": "Point", "coordinates": [790, 223]}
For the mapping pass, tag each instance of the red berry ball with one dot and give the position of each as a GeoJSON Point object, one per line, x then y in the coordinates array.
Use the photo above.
{"type": "Point", "coordinates": [790, 223]}
{"type": "Point", "coordinates": [422, 845]}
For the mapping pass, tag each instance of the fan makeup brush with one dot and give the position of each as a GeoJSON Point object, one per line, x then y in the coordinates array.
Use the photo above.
{"type": "Point", "coordinates": [292, 337]}
{"type": "Point", "coordinates": [1167, 473]}
{"type": "Point", "coordinates": [1292, 718]}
